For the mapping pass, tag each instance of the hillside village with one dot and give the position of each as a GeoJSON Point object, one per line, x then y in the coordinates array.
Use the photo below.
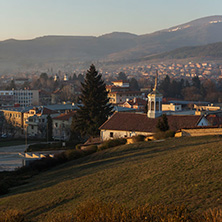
{"type": "Point", "coordinates": [136, 112]}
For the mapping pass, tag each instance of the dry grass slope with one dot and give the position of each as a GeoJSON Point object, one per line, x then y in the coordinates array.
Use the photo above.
{"type": "Point", "coordinates": [178, 171]}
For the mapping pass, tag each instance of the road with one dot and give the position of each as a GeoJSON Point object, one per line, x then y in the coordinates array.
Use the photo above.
{"type": "Point", "coordinates": [9, 157]}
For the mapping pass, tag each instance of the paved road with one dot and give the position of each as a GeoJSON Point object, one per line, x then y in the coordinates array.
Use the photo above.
{"type": "Point", "coordinates": [9, 158]}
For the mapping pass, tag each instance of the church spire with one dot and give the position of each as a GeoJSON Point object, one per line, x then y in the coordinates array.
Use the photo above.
{"type": "Point", "coordinates": [156, 81]}
{"type": "Point", "coordinates": [155, 101]}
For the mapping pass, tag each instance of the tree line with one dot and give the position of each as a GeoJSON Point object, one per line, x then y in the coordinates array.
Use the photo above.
{"type": "Point", "coordinates": [195, 90]}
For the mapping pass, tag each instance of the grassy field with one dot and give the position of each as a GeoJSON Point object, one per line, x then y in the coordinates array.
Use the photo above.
{"type": "Point", "coordinates": [176, 171]}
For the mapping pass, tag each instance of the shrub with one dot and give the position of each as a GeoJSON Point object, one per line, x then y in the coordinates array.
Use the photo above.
{"type": "Point", "coordinates": [73, 154]}
{"type": "Point", "coordinates": [164, 135]}
{"type": "Point", "coordinates": [44, 146]}
{"type": "Point", "coordinates": [71, 144]}
{"type": "Point", "coordinates": [60, 157]}
{"type": "Point", "coordinates": [138, 138]}
{"type": "Point", "coordinates": [112, 143]}
{"type": "Point", "coordinates": [43, 164]}
{"type": "Point", "coordinates": [78, 146]}
{"type": "Point", "coordinates": [90, 149]}
{"type": "Point", "coordinates": [12, 216]}
{"type": "Point", "coordinates": [3, 188]}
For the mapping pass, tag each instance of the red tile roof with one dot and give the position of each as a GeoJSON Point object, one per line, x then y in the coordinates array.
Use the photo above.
{"type": "Point", "coordinates": [141, 123]}
{"type": "Point", "coordinates": [65, 116]}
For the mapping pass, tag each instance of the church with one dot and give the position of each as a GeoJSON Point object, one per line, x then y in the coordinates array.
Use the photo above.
{"type": "Point", "coordinates": [122, 124]}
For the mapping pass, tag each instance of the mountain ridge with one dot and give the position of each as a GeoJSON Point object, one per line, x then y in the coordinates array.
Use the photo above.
{"type": "Point", "coordinates": [110, 47]}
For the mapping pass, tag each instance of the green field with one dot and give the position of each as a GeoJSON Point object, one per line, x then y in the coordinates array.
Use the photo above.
{"type": "Point", "coordinates": [176, 171]}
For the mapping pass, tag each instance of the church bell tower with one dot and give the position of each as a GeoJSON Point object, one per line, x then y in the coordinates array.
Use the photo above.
{"type": "Point", "coordinates": [155, 101]}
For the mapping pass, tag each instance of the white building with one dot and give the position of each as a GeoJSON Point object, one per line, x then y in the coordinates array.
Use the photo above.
{"type": "Point", "coordinates": [61, 126]}
{"type": "Point", "coordinates": [21, 97]}
{"type": "Point", "coordinates": [171, 107]}
{"type": "Point", "coordinates": [132, 124]}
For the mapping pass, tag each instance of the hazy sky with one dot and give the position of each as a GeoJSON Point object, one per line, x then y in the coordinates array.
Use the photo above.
{"type": "Point", "coordinates": [26, 19]}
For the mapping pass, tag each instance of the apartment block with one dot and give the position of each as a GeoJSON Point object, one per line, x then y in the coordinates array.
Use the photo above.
{"type": "Point", "coordinates": [21, 97]}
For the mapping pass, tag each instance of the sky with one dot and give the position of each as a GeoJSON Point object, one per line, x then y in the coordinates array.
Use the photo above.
{"type": "Point", "coordinates": [28, 19]}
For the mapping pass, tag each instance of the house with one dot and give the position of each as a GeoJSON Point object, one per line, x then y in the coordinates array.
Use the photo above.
{"type": "Point", "coordinates": [119, 92]}
{"type": "Point", "coordinates": [14, 120]}
{"type": "Point", "coordinates": [132, 124]}
{"type": "Point", "coordinates": [35, 120]}
{"type": "Point", "coordinates": [171, 107]}
{"type": "Point", "coordinates": [135, 103]}
{"type": "Point", "coordinates": [120, 97]}
{"type": "Point", "coordinates": [61, 126]}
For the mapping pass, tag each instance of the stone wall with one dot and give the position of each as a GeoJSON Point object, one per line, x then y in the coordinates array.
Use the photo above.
{"type": "Point", "coordinates": [199, 132]}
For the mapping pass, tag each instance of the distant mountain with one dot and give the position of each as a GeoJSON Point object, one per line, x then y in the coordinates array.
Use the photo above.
{"type": "Point", "coordinates": [212, 51]}
{"type": "Point", "coordinates": [118, 46]}
{"type": "Point", "coordinates": [198, 32]}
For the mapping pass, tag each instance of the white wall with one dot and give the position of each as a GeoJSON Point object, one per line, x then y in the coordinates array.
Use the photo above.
{"type": "Point", "coordinates": [105, 134]}
{"type": "Point", "coordinates": [204, 122]}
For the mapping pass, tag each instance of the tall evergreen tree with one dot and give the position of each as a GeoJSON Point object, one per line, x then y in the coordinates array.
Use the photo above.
{"type": "Point", "coordinates": [95, 108]}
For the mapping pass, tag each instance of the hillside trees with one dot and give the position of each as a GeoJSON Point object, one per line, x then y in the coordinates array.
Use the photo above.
{"type": "Point", "coordinates": [133, 84]}
{"type": "Point", "coordinates": [122, 76]}
{"type": "Point", "coordinates": [95, 107]}
{"type": "Point", "coordinates": [196, 90]}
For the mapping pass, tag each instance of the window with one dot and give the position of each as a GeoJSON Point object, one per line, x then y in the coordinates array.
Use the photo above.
{"type": "Point", "coordinates": [157, 106]}
{"type": "Point", "coordinates": [152, 105]}
{"type": "Point", "coordinates": [111, 134]}
{"type": "Point", "coordinates": [32, 127]}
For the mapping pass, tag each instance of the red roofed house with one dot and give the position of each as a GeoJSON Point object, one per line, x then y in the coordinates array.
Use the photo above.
{"type": "Point", "coordinates": [136, 103]}
{"type": "Point", "coordinates": [35, 120]}
{"type": "Point", "coordinates": [61, 126]}
{"type": "Point", "coordinates": [131, 124]}
{"type": "Point", "coordinates": [119, 92]}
